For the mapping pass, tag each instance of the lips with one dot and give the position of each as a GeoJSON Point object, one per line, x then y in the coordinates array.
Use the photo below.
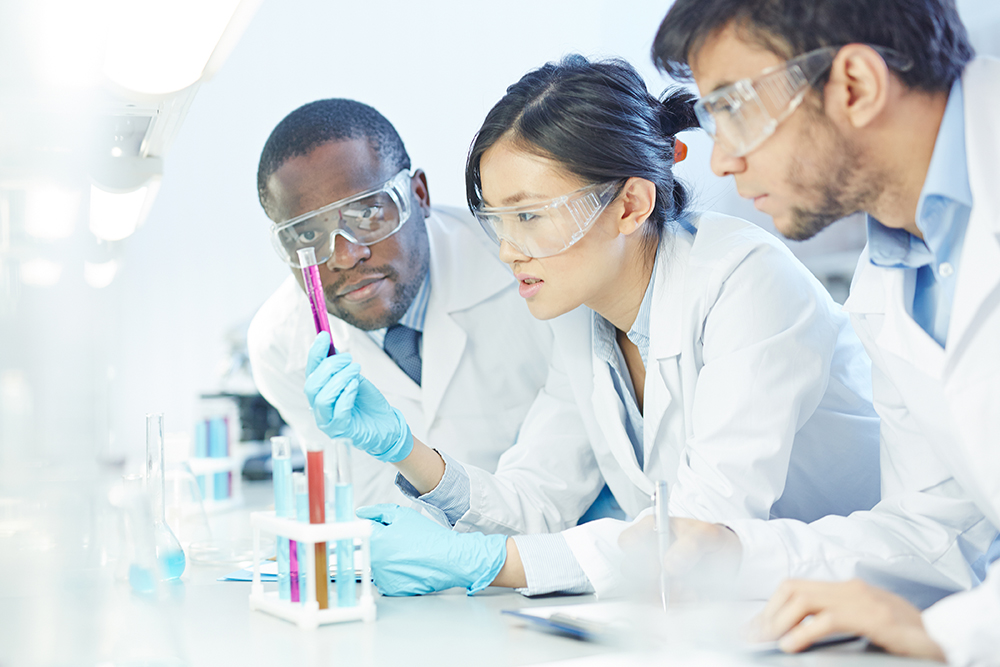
{"type": "Point", "coordinates": [361, 284]}
{"type": "Point", "coordinates": [528, 285]}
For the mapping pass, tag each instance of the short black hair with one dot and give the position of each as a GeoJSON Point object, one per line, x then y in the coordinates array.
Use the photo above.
{"type": "Point", "coordinates": [598, 121]}
{"type": "Point", "coordinates": [928, 32]}
{"type": "Point", "coordinates": [321, 122]}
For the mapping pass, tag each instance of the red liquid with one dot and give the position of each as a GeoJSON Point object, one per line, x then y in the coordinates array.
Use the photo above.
{"type": "Point", "coordinates": [317, 514]}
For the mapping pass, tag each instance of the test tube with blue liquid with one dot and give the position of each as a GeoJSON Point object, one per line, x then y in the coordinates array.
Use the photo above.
{"type": "Point", "coordinates": [300, 580]}
{"type": "Point", "coordinates": [344, 511]}
{"type": "Point", "coordinates": [284, 507]}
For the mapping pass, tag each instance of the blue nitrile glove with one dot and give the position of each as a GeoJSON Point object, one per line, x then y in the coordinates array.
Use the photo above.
{"type": "Point", "coordinates": [346, 405]}
{"type": "Point", "coordinates": [412, 555]}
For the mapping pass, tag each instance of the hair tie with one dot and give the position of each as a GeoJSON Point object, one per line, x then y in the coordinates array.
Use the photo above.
{"type": "Point", "coordinates": [680, 150]}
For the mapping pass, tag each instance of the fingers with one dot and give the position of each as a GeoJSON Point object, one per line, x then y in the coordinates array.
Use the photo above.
{"type": "Point", "coordinates": [637, 533]}
{"type": "Point", "coordinates": [804, 635]}
{"type": "Point", "coordinates": [318, 352]}
{"type": "Point", "coordinates": [329, 380]}
{"type": "Point", "coordinates": [384, 513]}
{"type": "Point", "coordinates": [803, 612]}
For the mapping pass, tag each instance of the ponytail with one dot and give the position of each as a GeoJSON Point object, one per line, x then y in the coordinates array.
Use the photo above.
{"type": "Point", "coordinates": [676, 113]}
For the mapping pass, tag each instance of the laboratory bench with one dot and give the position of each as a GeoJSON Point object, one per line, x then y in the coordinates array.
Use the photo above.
{"type": "Point", "coordinates": [208, 623]}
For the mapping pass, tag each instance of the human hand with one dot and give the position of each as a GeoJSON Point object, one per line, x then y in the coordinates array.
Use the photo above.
{"type": "Point", "coordinates": [346, 405]}
{"type": "Point", "coordinates": [853, 608]}
{"type": "Point", "coordinates": [702, 559]}
{"type": "Point", "coordinates": [412, 555]}
{"type": "Point", "coordinates": [699, 545]}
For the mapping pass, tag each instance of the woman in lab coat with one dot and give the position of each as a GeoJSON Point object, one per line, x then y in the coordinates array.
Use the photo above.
{"type": "Point", "coordinates": [692, 348]}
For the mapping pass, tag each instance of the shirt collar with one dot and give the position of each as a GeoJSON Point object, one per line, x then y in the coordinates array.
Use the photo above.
{"type": "Point", "coordinates": [417, 312]}
{"type": "Point", "coordinates": [947, 178]}
{"type": "Point", "coordinates": [604, 331]}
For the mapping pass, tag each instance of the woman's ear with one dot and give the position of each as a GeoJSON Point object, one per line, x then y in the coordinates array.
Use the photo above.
{"type": "Point", "coordinates": [638, 197]}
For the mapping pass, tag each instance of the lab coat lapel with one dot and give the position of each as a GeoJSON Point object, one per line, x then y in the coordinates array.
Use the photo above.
{"type": "Point", "coordinates": [979, 266]}
{"type": "Point", "coordinates": [609, 411]}
{"type": "Point", "coordinates": [884, 293]}
{"type": "Point", "coordinates": [463, 274]}
{"type": "Point", "coordinates": [665, 330]}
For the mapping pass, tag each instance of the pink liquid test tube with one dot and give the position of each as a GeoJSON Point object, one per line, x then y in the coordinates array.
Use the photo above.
{"type": "Point", "coordinates": [314, 290]}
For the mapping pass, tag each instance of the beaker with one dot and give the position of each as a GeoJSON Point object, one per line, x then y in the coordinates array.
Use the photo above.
{"type": "Point", "coordinates": [169, 555]}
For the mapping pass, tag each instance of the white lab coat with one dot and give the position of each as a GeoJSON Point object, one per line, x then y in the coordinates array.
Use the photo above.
{"type": "Point", "coordinates": [484, 357]}
{"type": "Point", "coordinates": [756, 404]}
{"type": "Point", "coordinates": [940, 412]}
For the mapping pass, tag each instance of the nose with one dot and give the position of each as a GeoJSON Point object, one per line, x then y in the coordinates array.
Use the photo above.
{"type": "Point", "coordinates": [724, 164]}
{"type": "Point", "coordinates": [346, 255]}
{"type": "Point", "coordinates": [510, 254]}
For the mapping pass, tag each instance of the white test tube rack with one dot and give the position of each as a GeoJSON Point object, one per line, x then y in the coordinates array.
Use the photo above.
{"type": "Point", "coordinates": [307, 614]}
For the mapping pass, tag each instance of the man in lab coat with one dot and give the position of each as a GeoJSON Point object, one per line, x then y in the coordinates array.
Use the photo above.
{"type": "Point", "coordinates": [896, 119]}
{"type": "Point", "coordinates": [421, 301]}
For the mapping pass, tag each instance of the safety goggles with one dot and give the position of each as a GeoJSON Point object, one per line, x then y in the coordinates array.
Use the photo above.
{"type": "Point", "coordinates": [739, 117]}
{"type": "Point", "coordinates": [364, 219]}
{"type": "Point", "coordinates": [546, 229]}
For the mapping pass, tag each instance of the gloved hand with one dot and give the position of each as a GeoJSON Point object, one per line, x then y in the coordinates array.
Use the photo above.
{"type": "Point", "coordinates": [412, 555]}
{"type": "Point", "coordinates": [346, 405]}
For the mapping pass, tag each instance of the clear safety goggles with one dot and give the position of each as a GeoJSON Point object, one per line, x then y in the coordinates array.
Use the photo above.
{"type": "Point", "coordinates": [739, 117]}
{"type": "Point", "coordinates": [546, 229]}
{"type": "Point", "coordinates": [364, 219]}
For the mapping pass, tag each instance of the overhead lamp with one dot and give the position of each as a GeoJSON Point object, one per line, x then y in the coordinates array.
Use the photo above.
{"type": "Point", "coordinates": [116, 215]}
{"type": "Point", "coordinates": [156, 47]}
{"type": "Point", "coordinates": [100, 274]}
{"type": "Point", "coordinates": [50, 212]}
{"type": "Point", "coordinates": [40, 272]}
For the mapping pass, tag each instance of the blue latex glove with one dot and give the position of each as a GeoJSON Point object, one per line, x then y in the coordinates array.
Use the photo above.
{"type": "Point", "coordinates": [412, 555]}
{"type": "Point", "coordinates": [346, 405]}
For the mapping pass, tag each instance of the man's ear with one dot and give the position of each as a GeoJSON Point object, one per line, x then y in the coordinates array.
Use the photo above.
{"type": "Point", "coordinates": [638, 198]}
{"type": "Point", "coordinates": [418, 184]}
{"type": "Point", "coordinates": [858, 89]}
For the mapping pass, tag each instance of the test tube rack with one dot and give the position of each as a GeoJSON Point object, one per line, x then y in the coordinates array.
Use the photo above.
{"type": "Point", "coordinates": [307, 614]}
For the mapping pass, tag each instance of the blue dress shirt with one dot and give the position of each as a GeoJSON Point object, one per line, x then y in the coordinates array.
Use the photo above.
{"type": "Point", "coordinates": [942, 216]}
{"type": "Point", "coordinates": [413, 317]}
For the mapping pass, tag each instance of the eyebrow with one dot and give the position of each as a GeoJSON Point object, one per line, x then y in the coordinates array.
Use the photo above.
{"type": "Point", "coordinates": [518, 197]}
{"type": "Point", "coordinates": [724, 84]}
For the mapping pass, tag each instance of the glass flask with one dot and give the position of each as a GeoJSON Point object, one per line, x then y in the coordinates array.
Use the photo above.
{"type": "Point", "coordinates": [169, 555]}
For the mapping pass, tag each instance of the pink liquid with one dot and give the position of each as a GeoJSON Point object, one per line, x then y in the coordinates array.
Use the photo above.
{"type": "Point", "coordinates": [314, 290]}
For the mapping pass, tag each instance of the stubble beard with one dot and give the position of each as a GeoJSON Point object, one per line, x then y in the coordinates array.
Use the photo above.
{"type": "Point", "coordinates": [845, 188]}
{"type": "Point", "coordinates": [403, 293]}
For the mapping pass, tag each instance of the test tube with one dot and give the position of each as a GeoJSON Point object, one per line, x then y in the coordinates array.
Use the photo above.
{"type": "Point", "coordinates": [344, 499]}
{"type": "Point", "coordinates": [300, 487]}
{"type": "Point", "coordinates": [661, 497]}
{"type": "Point", "coordinates": [314, 290]}
{"type": "Point", "coordinates": [284, 507]}
{"type": "Point", "coordinates": [317, 514]}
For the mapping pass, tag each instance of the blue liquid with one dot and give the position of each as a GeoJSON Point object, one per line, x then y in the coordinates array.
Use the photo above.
{"type": "Point", "coordinates": [171, 564]}
{"type": "Point", "coordinates": [283, 507]}
{"type": "Point", "coordinates": [169, 555]}
{"type": "Point", "coordinates": [302, 514]}
{"type": "Point", "coordinates": [140, 579]}
{"type": "Point", "coordinates": [346, 585]}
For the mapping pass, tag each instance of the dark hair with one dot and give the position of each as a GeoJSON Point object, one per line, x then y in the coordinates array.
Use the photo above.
{"type": "Point", "coordinates": [321, 122]}
{"type": "Point", "coordinates": [598, 121]}
{"type": "Point", "coordinates": [928, 32]}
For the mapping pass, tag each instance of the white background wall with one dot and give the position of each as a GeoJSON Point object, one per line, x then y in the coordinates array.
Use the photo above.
{"type": "Point", "coordinates": [202, 263]}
